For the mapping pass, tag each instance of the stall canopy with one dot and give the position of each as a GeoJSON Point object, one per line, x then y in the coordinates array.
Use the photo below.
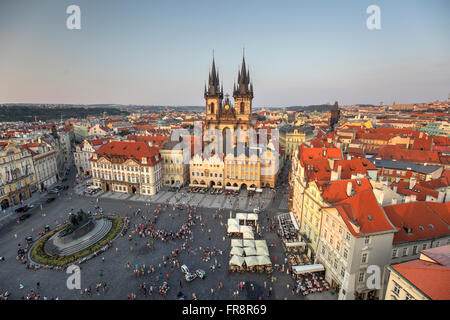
{"type": "Point", "coordinates": [238, 251]}
{"type": "Point", "coordinates": [248, 235]}
{"type": "Point", "coordinates": [249, 243]}
{"type": "Point", "coordinates": [243, 229]}
{"type": "Point", "coordinates": [263, 260]}
{"type": "Point", "coordinates": [237, 261]}
{"type": "Point", "coordinates": [261, 243]}
{"type": "Point", "coordinates": [308, 268]}
{"type": "Point", "coordinates": [251, 261]}
{"type": "Point", "coordinates": [295, 244]}
{"type": "Point", "coordinates": [252, 216]}
{"type": "Point", "coordinates": [233, 221]}
{"type": "Point", "coordinates": [294, 222]}
{"type": "Point", "coordinates": [250, 251]}
{"type": "Point", "coordinates": [262, 251]}
{"type": "Point", "coordinates": [236, 242]}
{"type": "Point", "coordinates": [241, 216]}
{"type": "Point", "coordinates": [233, 228]}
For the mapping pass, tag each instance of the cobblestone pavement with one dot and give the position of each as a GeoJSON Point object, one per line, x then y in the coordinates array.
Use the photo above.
{"type": "Point", "coordinates": [121, 281]}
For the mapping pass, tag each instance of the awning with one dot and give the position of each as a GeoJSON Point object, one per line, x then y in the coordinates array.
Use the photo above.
{"type": "Point", "coordinates": [294, 222]}
{"type": "Point", "coordinates": [237, 261]}
{"type": "Point", "coordinates": [295, 244]}
{"type": "Point", "coordinates": [251, 189]}
{"type": "Point", "coordinates": [198, 185]}
{"type": "Point", "coordinates": [308, 268]}
{"type": "Point", "coordinates": [259, 190]}
{"type": "Point", "coordinates": [217, 187]}
{"type": "Point", "coordinates": [232, 188]}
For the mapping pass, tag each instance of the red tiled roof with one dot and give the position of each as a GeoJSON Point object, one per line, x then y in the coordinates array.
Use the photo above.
{"type": "Point", "coordinates": [419, 191]}
{"type": "Point", "coordinates": [417, 216]}
{"type": "Point", "coordinates": [363, 210]}
{"type": "Point", "coordinates": [130, 150]}
{"type": "Point", "coordinates": [317, 170]}
{"type": "Point", "coordinates": [435, 183]}
{"type": "Point", "coordinates": [418, 156]}
{"type": "Point", "coordinates": [430, 278]}
{"type": "Point", "coordinates": [308, 154]}
{"type": "Point", "coordinates": [353, 166]}
{"type": "Point", "coordinates": [336, 191]}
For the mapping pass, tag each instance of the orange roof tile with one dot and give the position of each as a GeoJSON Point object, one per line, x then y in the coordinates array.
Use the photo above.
{"type": "Point", "coordinates": [430, 278]}
{"type": "Point", "coordinates": [421, 218]}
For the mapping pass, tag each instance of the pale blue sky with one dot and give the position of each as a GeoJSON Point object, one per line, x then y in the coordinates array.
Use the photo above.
{"type": "Point", "coordinates": [159, 52]}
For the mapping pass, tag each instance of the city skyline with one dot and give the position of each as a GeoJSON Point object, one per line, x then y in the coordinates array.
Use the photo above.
{"type": "Point", "coordinates": [160, 54]}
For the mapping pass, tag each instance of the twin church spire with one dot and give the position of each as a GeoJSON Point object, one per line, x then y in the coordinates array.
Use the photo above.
{"type": "Point", "coordinates": [243, 87]}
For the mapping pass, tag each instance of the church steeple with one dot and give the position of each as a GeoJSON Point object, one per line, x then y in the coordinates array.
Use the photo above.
{"type": "Point", "coordinates": [213, 82]}
{"type": "Point", "coordinates": [244, 86]}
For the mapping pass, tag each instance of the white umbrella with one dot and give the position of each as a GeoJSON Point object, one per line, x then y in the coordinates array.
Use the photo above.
{"type": "Point", "coordinates": [237, 251]}
{"type": "Point", "coordinates": [237, 261]}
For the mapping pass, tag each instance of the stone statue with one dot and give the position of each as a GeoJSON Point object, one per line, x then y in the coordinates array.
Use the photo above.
{"type": "Point", "coordinates": [77, 220]}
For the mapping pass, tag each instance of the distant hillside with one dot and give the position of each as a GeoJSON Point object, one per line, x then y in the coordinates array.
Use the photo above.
{"type": "Point", "coordinates": [28, 113]}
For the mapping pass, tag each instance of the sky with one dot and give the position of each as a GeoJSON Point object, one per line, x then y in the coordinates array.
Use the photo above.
{"type": "Point", "coordinates": [160, 52]}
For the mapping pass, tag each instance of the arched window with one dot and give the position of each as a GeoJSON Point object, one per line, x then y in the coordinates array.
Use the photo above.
{"type": "Point", "coordinates": [211, 107]}
{"type": "Point", "coordinates": [242, 107]}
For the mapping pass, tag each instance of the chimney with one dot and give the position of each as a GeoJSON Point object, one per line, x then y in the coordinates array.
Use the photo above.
{"type": "Point", "coordinates": [407, 199]}
{"type": "Point", "coordinates": [381, 198]}
{"type": "Point", "coordinates": [429, 198]}
{"type": "Point", "coordinates": [339, 172]}
{"type": "Point", "coordinates": [349, 188]}
{"type": "Point", "coordinates": [441, 196]}
{"type": "Point", "coordinates": [397, 180]}
{"type": "Point", "coordinates": [324, 152]}
{"type": "Point", "coordinates": [412, 183]}
{"type": "Point", "coordinates": [413, 197]}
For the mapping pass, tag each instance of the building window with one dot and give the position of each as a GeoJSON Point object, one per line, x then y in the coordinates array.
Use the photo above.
{"type": "Point", "coordinates": [364, 258]}
{"type": "Point", "coordinates": [424, 246]}
{"type": "Point", "coordinates": [396, 289]}
{"type": "Point", "coordinates": [345, 253]}
{"type": "Point", "coordinates": [366, 240]}
{"type": "Point", "coordinates": [405, 252]}
{"type": "Point", "coordinates": [361, 277]}
{"type": "Point", "coordinates": [394, 253]}
{"type": "Point", "coordinates": [414, 250]}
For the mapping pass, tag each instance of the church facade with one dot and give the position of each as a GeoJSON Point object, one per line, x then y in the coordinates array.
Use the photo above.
{"type": "Point", "coordinates": [233, 147]}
